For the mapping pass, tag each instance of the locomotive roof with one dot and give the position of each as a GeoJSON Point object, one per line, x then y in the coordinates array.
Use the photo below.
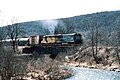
{"type": "Point", "coordinates": [57, 35]}
{"type": "Point", "coordinates": [54, 35]}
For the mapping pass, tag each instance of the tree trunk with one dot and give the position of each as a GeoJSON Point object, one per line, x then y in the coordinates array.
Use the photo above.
{"type": "Point", "coordinates": [94, 44]}
{"type": "Point", "coordinates": [13, 45]}
{"type": "Point", "coordinates": [118, 57]}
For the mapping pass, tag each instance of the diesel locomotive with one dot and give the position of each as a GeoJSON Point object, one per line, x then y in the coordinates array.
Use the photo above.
{"type": "Point", "coordinates": [74, 38]}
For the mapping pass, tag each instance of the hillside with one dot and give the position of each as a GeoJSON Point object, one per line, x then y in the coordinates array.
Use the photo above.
{"type": "Point", "coordinates": [108, 23]}
{"type": "Point", "coordinates": [34, 28]}
{"type": "Point", "coordinates": [29, 28]}
{"type": "Point", "coordinates": [107, 20]}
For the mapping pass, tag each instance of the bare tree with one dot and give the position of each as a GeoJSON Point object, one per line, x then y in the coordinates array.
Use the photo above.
{"type": "Point", "coordinates": [118, 43]}
{"type": "Point", "coordinates": [2, 35]}
{"type": "Point", "coordinates": [95, 36]}
{"type": "Point", "coordinates": [13, 31]}
{"type": "Point", "coordinates": [94, 44]}
{"type": "Point", "coordinates": [10, 65]}
{"type": "Point", "coordinates": [116, 39]}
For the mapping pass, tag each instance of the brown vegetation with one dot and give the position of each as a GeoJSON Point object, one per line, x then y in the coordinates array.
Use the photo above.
{"type": "Point", "coordinates": [16, 67]}
{"type": "Point", "coordinates": [44, 68]}
{"type": "Point", "coordinates": [106, 57]}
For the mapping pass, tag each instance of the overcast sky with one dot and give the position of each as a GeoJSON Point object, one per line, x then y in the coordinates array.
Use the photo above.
{"type": "Point", "coordinates": [30, 10]}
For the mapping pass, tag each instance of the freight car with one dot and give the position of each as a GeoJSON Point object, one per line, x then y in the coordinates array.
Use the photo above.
{"type": "Point", "coordinates": [20, 41]}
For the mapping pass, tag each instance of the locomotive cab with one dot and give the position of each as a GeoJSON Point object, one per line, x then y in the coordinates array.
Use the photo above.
{"type": "Point", "coordinates": [74, 38]}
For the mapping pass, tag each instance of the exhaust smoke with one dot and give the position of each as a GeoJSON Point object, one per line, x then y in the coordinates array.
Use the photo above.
{"type": "Point", "coordinates": [50, 24]}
